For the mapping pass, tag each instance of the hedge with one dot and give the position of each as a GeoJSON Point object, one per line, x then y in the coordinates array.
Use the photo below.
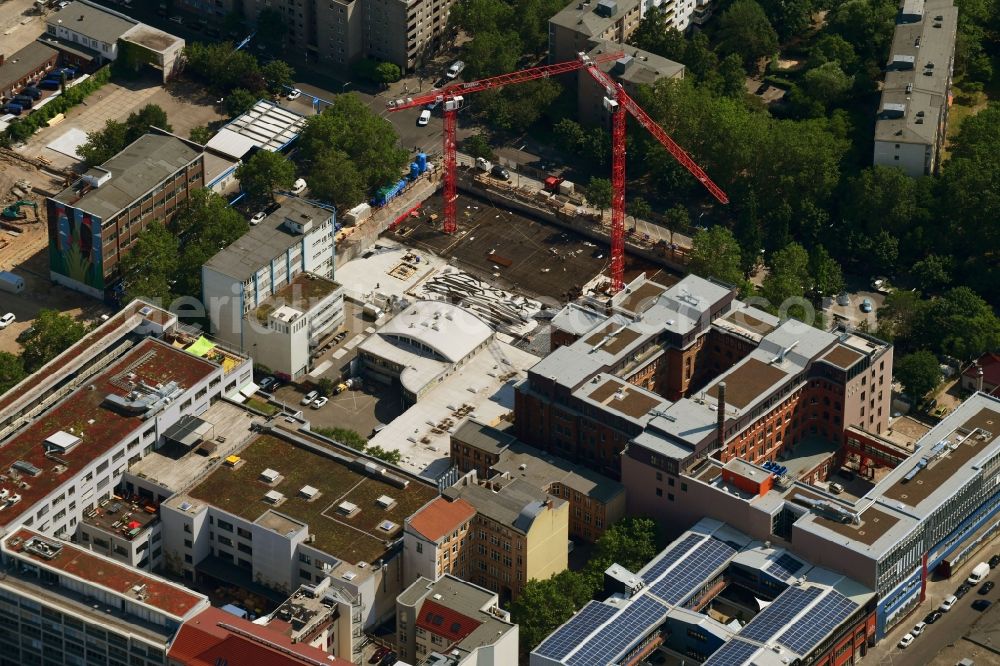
{"type": "Point", "coordinates": [23, 128]}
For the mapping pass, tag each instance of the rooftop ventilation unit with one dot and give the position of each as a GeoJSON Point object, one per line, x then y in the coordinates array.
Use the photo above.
{"type": "Point", "coordinates": [61, 441]}
{"type": "Point", "coordinates": [892, 110]}
{"type": "Point", "coordinates": [273, 497]}
{"type": "Point", "coordinates": [269, 475]}
{"type": "Point", "coordinates": [386, 502]}
{"type": "Point", "coordinates": [308, 492]}
{"type": "Point", "coordinates": [26, 467]}
{"type": "Point", "coordinates": [387, 526]}
{"type": "Point", "coordinates": [347, 508]}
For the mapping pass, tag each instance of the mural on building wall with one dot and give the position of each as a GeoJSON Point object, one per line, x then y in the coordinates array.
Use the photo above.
{"type": "Point", "coordinates": [75, 246]}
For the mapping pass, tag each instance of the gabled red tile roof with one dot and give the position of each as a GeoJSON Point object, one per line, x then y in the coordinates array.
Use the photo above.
{"type": "Point", "coordinates": [445, 622]}
{"type": "Point", "coordinates": [440, 517]}
{"type": "Point", "coordinates": [214, 634]}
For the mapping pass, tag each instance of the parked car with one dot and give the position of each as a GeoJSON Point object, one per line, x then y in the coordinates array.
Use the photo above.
{"type": "Point", "coordinates": [177, 19]}
{"type": "Point", "coordinates": [26, 334]}
{"type": "Point", "coordinates": [499, 172]}
{"type": "Point", "coordinates": [32, 92]}
{"type": "Point", "coordinates": [918, 628]}
{"type": "Point", "coordinates": [267, 383]}
{"type": "Point", "coordinates": [389, 659]}
{"type": "Point", "coordinates": [905, 641]}
{"type": "Point", "coordinates": [424, 118]}
{"type": "Point", "coordinates": [49, 84]}
{"type": "Point", "coordinates": [309, 397]}
{"type": "Point", "coordinates": [866, 305]}
{"type": "Point", "coordinates": [320, 401]}
{"type": "Point", "coordinates": [483, 164]}
{"type": "Point", "coordinates": [12, 108]}
{"type": "Point", "coordinates": [994, 561]}
{"type": "Point", "coordinates": [986, 587]}
{"type": "Point", "coordinates": [7, 320]}
{"type": "Point", "coordinates": [933, 617]}
{"type": "Point", "coordinates": [962, 590]}
{"type": "Point", "coordinates": [455, 69]}
{"type": "Point", "coordinates": [948, 603]}
{"type": "Point", "coordinates": [295, 94]}
{"type": "Point", "coordinates": [299, 186]}
{"type": "Point", "coordinates": [981, 604]}
{"type": "Point", "coordinates": [257, 218]}
{"type": "Point", "coordinates": [25, 101]}
{"type": "Point", "coordinates": [378, 654]}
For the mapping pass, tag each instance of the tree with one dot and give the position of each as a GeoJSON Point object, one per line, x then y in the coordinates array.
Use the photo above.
{"type": "Point", "coordinates": [933, 272]}
{"type": "Point", "coordinates": [899, 314]}
{"type": "Point", "coordinates": [546, 604]}
{"type": "Point", "coordinates": [344, 436]}
{"type": "Point", "coordinates": [387, 72]}
{"type": "Point", "coordinates": [791, 18]}
{"type": "Point", "coordinates": [639, 208]}
{"type": "Point", "coordinates": [699, 57]}
{"type": "Point", "coordinates": [732, 76]}
{"type": "Point", "coordinates": [104, 144]}
{"type": "Point", "coordinates": [201, 134]}
{"type": "Point", "coordinates": [239, 101]}
{"type": "Point", "coordinates": [677, 218]}
{"type": "Point", "coordinates": [827, 277]}
{"type": "Point", "coordinates": [204, 225]}
{"type": "Point", "coordinates": [516, 108]}
{"type": "Point", "coordinates": [223, 68]}
{"type": "Point", "coordinates": [958, 323]}
{"type": "Point", "coordinates": [150, 265]}
{"type": "Point", "coordinates": [715, 253]}
{"type": "Point", "coordinates": [368, 140]}
{"type": "Point", "coordinates": [788, 278]}
{"type": "Point", "coordinates": [11, 371]}
{"type": "Point", "coordinates": [599, 193]}
{"type": "Point", "coordinates": [655, 36]}
{"type": "Point", "coordinates": [278, 75]}
{"type": "Point", "coordinates": [390, 456]}
{"type": "Point", "coordinates": [265, 172]}
{"type": "Point", "coordinates": [631, 542]}
{"type": "Point", "coordinates": [334, 178]}
{"type": "Point", "coordinates": [53, 334]}
{"type": "Point", "coordinates": [827, 83]}
{"type": "Point", "coordinates": [478, 145]}
{"type": "Point", "coordinates": [492, 53]}
{"type": "Point", "coordinates": [747, 232]}
{"type": "Point", "coordinates": [919, 373]}
{"type": "Point", "coordinates": [139, 122]}
{"type": "Point", "coordinates": [744, 29]}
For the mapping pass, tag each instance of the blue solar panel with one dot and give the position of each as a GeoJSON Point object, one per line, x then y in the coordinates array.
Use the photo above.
{"type": "Point", "coordinates": [784, 567]}
{"type": "Point", "coordinates": [696, 567]}
{"type": "Point", "coordinates": [823, 618]}
{"type": "Point", "coordinates": [780, 613]}
{"type": "Point", "coordinates": [630, 626]}
{"type": "Point", "coordinates": [576, 630]}
{"type": "Point", "coordinates": [733, 653]}
{"type": "Point", "coordinates": [669, 557]}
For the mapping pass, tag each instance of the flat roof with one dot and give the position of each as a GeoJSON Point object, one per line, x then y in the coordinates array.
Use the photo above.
{"type": "Point", "coordinates": [155, 40]}
{"type": "Point", "coordinates": [542, 469]}
{"type": "Point", "coordinates": [516, 505]}
{"type": "Point", "coordinates": [266, 126]}
{"type": "Point", "coordinates": [583, 19]}
{"type": "Point", "coordinates": [450, 331]}
{"type": "Point", "coordinates": [136, 170]}
{"type": "Point", "coordinates": [576, 319]}
{"type": "Point", "coordinates": [620, 396]}
{"type": "Point", "coordinates": [637, 67]}
{"type": "Point", "coordinates": [91, 20]}
{"type": "Point", "coordinates": [966, 441]}
{"type": "Point", "coordinates": [616, 338]}
{"type": "Point", "coordinates": [842, 357]}
{"type": "Point", "coordinates": [748, 381]}
{"type": "Point", "coordinates": [85, 414]}
{"type": "Point", "coordinates": [461, 597]}
{"type": "Point", "coordinates": [303, 292]}
{"type": "Point", "coordinates": [352, 539]}
{"type": "Point", "coordinates": [104, 572]}
{"type": "Point", "coordinates": [636, 299]}
{"type": "Point", "coordinates": [21, 63]}
{"type": "Point", "coordinates": [242, 258]}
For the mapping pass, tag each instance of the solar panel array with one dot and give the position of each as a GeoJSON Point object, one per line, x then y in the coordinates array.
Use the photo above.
{"type": "Point", "coordinates": [780, 613]}
{"type": "Point", "coordinates": [628, 627]}
{"type": "Point", "coordinates": [701, 563]}
{"type": "Point", "coordinates": [823, 618]}
{"type": "Point", "coordinates": [784, 567]}
{"type": "Point", "coordinates": [576, 630]}
{"type": "Point", "coordinates": [669, 557]}
{"type": "Point", "coordinates": [733, 653]}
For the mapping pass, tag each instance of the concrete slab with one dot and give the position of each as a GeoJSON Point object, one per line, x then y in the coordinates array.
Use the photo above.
{"type": "Point", "coordinates": [321, 368]}
{"type": "Point", "coordinates": [69, 142]}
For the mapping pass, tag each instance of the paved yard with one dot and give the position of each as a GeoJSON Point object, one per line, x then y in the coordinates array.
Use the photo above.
{"type": "Point", "coordinates": [20, 25]}
{"type": "Point", "coordinates": [186, 104]}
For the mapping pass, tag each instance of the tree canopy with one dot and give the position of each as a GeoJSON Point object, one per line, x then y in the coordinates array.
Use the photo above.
{"type": "Point", "coordinates": [11, 371]}
{"type": "Point", "coordinates": [745, 30]}
{"type": "Point", "coordinates": [264, 173]}
{"type": "Point", "coordinates": [53, 334]}
{"type": "Point", "coordinates": [104, 144]}
{"type": "Point", "coordinates": [716, 254]}
{"type": "Point", "coordinates": [150, 265]}
{"type": "Point", "coordinates": [919, 373]}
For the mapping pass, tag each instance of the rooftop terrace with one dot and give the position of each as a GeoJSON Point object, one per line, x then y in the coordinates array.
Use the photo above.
{"type": "Point", "coordinates": [304, 291]}
{"type": "Point", "coordinates": [747, 381]}
{"type": "Point", "coordinates": [65, 558]}
{"type": "Point", "coordinates": [85, 416]}
{"type": "Point", "coordinates": [353, 539]}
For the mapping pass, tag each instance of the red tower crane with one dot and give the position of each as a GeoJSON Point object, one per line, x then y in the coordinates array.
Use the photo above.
{"type": "Point", "coordinates": [617, 101]}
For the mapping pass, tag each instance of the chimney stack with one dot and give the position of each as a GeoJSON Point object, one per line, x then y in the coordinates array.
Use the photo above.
{"type": "Point", "coordinates": [979, 377]}
{"type": "Point", "coordinates": [722, 413]}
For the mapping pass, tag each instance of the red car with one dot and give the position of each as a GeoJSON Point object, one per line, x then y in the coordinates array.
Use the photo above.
{"type": "Point", "coordinates": [378, 655]}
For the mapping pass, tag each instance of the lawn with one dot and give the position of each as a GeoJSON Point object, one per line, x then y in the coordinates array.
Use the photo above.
{"type": "Point", "coordinates": [261, 406]}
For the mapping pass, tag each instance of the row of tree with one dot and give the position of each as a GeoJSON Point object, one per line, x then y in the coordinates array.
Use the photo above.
{"type": "Point", "coordinates": [236, 74]}
{"type": "Point", "coordinates": [354, 440]}
{"type": "Point", "coordinates": [105, 143]}
{"type": "Point", "coordinates": [51, 334]}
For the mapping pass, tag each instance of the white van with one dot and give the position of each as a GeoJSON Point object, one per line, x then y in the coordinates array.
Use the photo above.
{"type": "Point", "coordinates": [455, 69]}
{"type": "Point", "coordinates": [979, 572]}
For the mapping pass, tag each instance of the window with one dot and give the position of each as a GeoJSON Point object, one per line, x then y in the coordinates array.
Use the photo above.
{"type": "Point", "coordinates": [225, 525]}
{"type": "Point", "coordinates": [420, 547]}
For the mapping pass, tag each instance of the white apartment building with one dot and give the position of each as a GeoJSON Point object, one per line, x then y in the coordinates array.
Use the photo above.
{"type": "Point", "coordinates": [282, 332]}
{"type": "Point", "coordinates": [296, 238]}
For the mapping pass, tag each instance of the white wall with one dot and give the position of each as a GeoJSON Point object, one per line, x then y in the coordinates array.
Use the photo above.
{"type": "Point", "coordinates": [417, 564]}
{"type": "Point", "coordinates": [912, 156]}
